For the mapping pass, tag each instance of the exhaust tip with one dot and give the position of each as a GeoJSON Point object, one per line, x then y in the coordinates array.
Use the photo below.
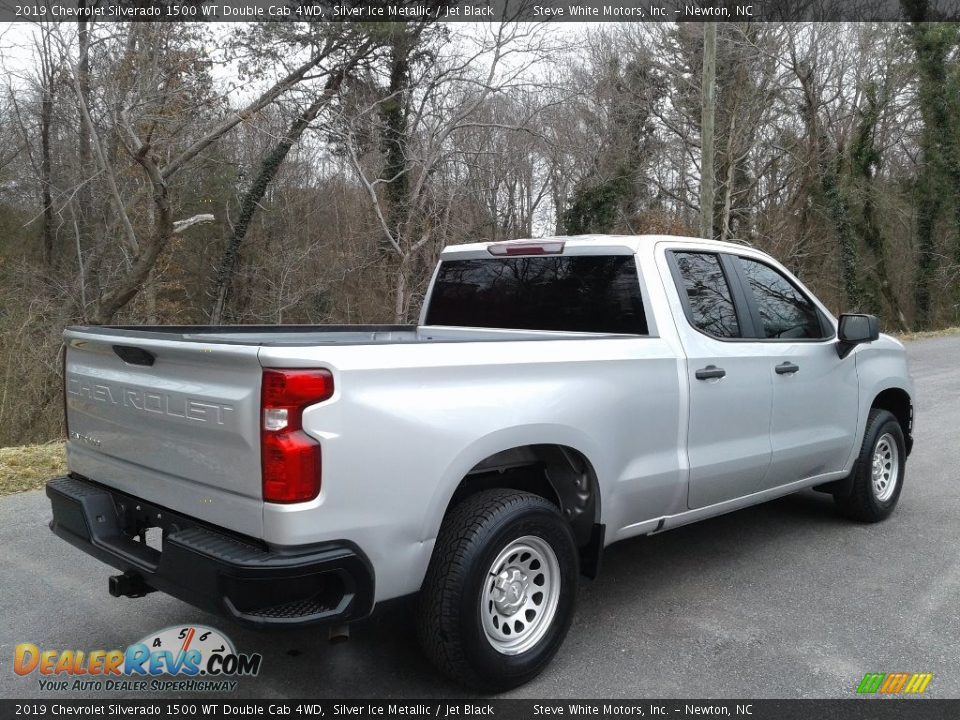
{"type": "Point", "coordinates": [339, 634]}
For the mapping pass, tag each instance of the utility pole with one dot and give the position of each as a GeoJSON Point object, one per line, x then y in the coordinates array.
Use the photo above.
{"type": "Point", "coordinates": [707, 115]}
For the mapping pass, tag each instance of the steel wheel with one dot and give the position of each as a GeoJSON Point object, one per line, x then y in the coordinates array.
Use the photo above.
{"type": "Point", "coordinates": [873, 489]}
{"type": "Point", "coordinates": [500, 591]}
{"type": "Point", "coordinates": [886, 467]}
{"type": "Point", "coordinates": [520, 598]}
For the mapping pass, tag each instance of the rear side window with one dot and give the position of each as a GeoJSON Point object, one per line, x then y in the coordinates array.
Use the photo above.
{"type": "Point", "coordinates": [708, 294]}
{"type": "Point", "coordinates": [785, 312]}
{"type": "Point", "coordinates": [574, 294]}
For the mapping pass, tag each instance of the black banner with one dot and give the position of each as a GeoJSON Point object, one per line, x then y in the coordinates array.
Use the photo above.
{"type": "Point", "coordinates": [467, 10]}
{"type": "Point", "coordinates": [454, 709]}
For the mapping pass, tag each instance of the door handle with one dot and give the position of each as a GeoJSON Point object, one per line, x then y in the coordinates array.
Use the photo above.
{"type": "Point", "coordinates": [787, 368]}
{"type": "Point", "coordinates": [710, 372]}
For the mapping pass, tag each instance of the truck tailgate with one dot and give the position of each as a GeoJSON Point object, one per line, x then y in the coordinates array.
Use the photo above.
{"type": "Point", "coordinates": [173, 422]}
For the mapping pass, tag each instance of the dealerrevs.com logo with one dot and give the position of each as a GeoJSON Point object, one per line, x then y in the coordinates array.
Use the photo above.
{"type": "Point", "coordinates": [200, 658]}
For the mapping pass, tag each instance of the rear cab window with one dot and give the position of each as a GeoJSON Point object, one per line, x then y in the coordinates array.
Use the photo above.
{"type": "Point", "coordinates": [705, 293]}
{"type": "Point", "coordinates": [578, 293]}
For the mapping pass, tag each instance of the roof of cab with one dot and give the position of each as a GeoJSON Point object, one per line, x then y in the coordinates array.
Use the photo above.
{"type": "Point", "coordinates": [593, 243]}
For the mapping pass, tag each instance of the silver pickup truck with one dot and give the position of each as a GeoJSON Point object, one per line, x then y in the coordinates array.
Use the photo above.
{"type": "Point", "coordinates": [557, 396]}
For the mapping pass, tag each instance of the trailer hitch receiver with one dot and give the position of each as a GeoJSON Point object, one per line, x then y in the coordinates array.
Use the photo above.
{"type": "Point", "coordinates": [129, 584]}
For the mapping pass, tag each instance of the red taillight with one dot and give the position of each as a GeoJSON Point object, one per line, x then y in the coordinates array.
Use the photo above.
{"type": "Point", "coordinates": [290, 458]}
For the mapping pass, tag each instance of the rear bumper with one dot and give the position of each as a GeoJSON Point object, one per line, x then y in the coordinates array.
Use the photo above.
{"type": "Point", "coordinates": [210, 568]}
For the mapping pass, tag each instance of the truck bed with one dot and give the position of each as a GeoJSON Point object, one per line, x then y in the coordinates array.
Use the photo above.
{"type": "Point", "coordinates": [171, 414]}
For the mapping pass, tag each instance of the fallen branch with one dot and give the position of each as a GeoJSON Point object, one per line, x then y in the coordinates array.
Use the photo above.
{"type": "Point", "coordinates": [180, 225]}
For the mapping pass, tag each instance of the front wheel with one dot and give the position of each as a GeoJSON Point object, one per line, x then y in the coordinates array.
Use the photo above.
{"type": "Point", "coordinates": [878, 475]}
{"type": "Point", "coordinates": [500, 591]}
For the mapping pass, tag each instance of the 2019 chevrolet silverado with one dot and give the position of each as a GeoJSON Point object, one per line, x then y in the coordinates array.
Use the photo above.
{"type": "Point", "coordinates": [557, 396]}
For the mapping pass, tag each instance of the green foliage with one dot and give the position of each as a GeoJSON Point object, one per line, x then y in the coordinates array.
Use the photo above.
{"type": "Point", "coordinates": [615, 189]}
{"type": "Point", "coordinates": [835, 197]}
{"type": "Point", "coordinates": [934, 44]}
{"type": "Point", "coordinates": [401, 45]}
{"type": "Point", "coordinates": [597, 207]}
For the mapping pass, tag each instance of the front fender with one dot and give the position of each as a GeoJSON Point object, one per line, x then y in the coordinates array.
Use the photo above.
{"type": "Point", "coordinates": [881, 365]}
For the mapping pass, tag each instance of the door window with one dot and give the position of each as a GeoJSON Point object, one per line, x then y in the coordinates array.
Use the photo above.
{"type": "Point", "coordinates": [709, 301]}
{"type": "Point", "coordinates": [785, 312]}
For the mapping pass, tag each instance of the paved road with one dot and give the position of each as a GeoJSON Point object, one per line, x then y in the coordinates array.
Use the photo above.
{"type": "Point", "coordinates": [782, 600]}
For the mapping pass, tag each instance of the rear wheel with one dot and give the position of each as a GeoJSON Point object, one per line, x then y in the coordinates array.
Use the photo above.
{"type": "Point", "coordinates": [500, 590]}
{"type": "Point", "coordinates": [878, 475]}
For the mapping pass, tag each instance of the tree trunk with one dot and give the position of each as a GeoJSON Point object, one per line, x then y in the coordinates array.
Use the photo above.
{"type": "Point", "coordinates": [46, 198]}
{"type": "Point", "coordinates": [47, 72]}
{"type": "Point", "coordinates": [269, 167]}
{"type": "Point", "coordinates": [730, 180]}
{"type": "Point", "coordinates": [393, 143]}
{"type": "Point", "coordinates": [838, 207]}
{"type": "Point", "coordinates": [707, 114]}
{"type": "Point", "coordinates": [928, 208]}
{"type": "Point", "coordinates": [127, 287]}
{"type": "Point", "coordinates": [400, 294]}
{"type": "Point", "coordinates": [938, 161]}
{"type": "Point", "coordinates": [112, 301]}
{"type": "Point", "coordinates": [83, 200]}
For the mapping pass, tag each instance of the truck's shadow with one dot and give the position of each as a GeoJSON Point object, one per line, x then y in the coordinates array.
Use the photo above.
{"type": "Point", "coordinates": [382, 658]}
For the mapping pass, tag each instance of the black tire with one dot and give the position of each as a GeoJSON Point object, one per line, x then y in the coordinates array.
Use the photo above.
{"type": "Point", "coordinates": [863, 502]}
{"type": "Point", "coordinates": [450, 623]}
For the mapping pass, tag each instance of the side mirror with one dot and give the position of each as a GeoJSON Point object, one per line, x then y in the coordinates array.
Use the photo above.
{"type": "Point", "coordinates": [856, 329]}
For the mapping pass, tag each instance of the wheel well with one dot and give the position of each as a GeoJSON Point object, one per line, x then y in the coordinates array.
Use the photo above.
{"type": "Point", "coordinates": [557, 473]}
{"type": "Point", "coordinates": [897, 401]}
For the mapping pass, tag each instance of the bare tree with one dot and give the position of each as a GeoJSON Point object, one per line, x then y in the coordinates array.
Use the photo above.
{"type": "Point", "coordinates": [272, 161]}
{"type": "Point", "coordinates": [153, 87]}
{"type": "Point", "coordinates": [446, 98]}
